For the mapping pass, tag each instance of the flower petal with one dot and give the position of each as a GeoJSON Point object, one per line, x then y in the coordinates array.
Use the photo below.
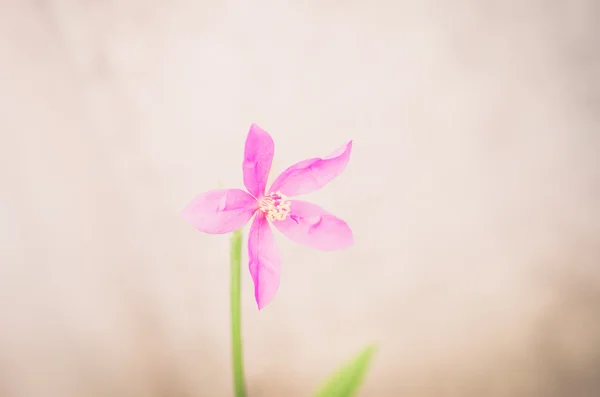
{"type": "Point", "coordinates": [258, 156]}
{"type": "Point", "coordinates": [220, 211]}
{"type": "Point", "coordinates": [311, 225]}
{"type": "Point", "coordinates": [312, 174]}
{"type": "Point", "coordinates": [265, 262]}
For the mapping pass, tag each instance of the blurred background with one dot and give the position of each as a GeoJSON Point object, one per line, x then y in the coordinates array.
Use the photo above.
{"type": "Point", "coordinates": [473, 192]}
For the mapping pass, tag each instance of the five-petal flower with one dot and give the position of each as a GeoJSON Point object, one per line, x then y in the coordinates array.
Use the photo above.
{"type": "Point", "coordinates": [225, 210]}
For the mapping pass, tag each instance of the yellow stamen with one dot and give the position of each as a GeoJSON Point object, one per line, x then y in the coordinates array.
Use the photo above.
{"type": "Point", "coordinates": [275, 206]}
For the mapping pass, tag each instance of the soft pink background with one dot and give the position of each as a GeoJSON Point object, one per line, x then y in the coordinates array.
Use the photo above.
{"type": "Point", "coordinates": [473, 192]}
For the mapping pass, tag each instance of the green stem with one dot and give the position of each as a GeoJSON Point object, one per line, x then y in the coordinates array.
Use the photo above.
{"type": "Point", "coordinates": [236, 322]}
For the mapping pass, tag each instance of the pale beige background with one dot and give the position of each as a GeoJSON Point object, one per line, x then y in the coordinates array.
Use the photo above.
{"type": "Point", "coordinates": [473, 192]}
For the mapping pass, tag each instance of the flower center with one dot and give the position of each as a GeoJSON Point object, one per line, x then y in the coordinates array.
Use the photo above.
{"type": "Point", "coordinates": [275, 206]}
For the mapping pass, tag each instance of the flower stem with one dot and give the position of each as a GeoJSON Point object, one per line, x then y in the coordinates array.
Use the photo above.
{"type": "Point", "coordinates": [236, 322]}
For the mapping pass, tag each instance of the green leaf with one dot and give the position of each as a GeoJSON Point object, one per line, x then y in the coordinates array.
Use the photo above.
{"type": "Point", "coordinates": [347, 379]}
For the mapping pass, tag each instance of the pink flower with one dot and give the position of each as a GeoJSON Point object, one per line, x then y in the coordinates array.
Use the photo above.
{"type": "Point", "coordinates": [225, 210]}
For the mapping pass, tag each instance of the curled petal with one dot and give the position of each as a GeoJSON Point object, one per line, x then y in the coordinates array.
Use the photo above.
{"type": "Point", "coordinates": [258, 156]}
{"type": "Point", "coordinates": [312, 174]}
{"type": "Point", "coordinates": [311, 225]}
{"type": "Point", "coordinates": [265, 262]}
{"type": "Point", "coordinates": [220, 211]}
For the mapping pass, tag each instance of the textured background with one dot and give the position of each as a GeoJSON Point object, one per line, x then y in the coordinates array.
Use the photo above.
{"type": "Point", "coordinates": [473, 192]}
